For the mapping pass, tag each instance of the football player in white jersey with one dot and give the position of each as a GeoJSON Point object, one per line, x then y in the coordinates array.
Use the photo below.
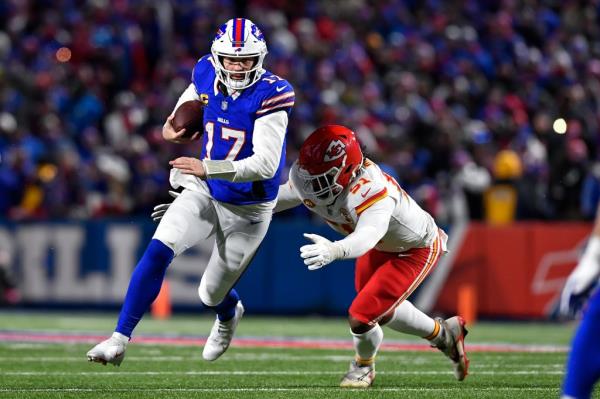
{"type": "Point", "coordinates": [396, 245]}
{"type": "Point", "coordinates": [230, 189]}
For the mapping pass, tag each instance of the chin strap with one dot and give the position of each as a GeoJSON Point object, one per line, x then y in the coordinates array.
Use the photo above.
{"type": "Point", "coordinates": [222, 88]}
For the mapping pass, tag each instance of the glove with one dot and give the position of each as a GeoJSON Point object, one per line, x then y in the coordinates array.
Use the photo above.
{"type": "Point", "coordinates": [159, 210]}
{"type": "Point", "coordinates": [321, 253]}
{"type": "Point", "coordinates": [576, 291]}
{"type": "Point", "coordinates": [580, 284]}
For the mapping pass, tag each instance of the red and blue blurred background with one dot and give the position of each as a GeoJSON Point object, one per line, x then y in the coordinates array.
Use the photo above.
{"type": "Point", "coordinates": [487, 113]}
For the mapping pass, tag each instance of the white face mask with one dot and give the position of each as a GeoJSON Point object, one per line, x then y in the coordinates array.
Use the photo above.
{"type": "Point", "coordinates": [322, 189]}
{"type": "Point", "coordinates": [226, 75]}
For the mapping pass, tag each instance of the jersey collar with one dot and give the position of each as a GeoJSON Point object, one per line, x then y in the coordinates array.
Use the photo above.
{"type": "Point", "coordinates": [217, 82]}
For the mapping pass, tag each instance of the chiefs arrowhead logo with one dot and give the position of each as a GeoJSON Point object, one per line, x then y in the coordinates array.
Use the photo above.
{"type": "Point", "coordinates": [336, 150]}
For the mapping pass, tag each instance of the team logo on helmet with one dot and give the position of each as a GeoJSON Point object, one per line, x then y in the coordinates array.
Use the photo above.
{"type": "Point", "coordinates": [336, 150]}
{"type": "Point", "coordinates": [221, 31]}
{"type": "Point", "coordinates": [257, 32]}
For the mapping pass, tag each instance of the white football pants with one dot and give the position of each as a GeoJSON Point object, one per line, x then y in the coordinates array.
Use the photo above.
{"type": "Point", "coordinates": [195, 216]}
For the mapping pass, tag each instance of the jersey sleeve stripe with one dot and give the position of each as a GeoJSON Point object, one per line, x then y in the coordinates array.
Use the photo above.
{"type": "Point", "coordinates": [277, 98]}
{"type": "Point", "coordinates": [371, 200]}
{"type": "Point", "coordinates": [284, 105]}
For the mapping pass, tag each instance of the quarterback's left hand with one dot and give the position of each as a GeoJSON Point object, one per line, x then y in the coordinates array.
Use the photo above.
{"type": "Point", "coordinates": [321, 253]}
{"type": "Point", "coordinates": [189, 166]}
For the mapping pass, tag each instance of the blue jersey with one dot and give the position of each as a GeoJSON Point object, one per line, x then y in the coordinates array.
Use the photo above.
{"type": "Point", "coordinates": [229, 128]}
{"type": "Point", "coordinates": [583, 367]}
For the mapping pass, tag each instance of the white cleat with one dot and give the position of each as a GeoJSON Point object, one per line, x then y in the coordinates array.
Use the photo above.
{"type": "Point", "coordinates": [453, 345]}
{"type": "Point", "coordinates": [358, 376]}
{"type": "Point", "coordinates": [111, 350]}
{"type": "Point", "coordinates": [221, 334]}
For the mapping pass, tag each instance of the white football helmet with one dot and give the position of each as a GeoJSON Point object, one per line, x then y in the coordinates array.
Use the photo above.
{"type": "Point", "coordinates": [239, 38]}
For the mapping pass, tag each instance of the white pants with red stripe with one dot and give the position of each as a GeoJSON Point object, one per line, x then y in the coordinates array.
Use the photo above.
{"type": "Point", "coordinates": [238, 231]}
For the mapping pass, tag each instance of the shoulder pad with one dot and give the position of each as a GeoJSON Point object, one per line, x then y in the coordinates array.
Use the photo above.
{"type": "Point", "coordinates": [202, 69]}
{"type": "Point", "coordinates": [369, 188]}
{"type": "Point", "coordinates": [275, 94]}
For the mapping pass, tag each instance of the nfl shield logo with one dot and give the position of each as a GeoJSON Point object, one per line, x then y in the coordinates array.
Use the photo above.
{"type": "Point", "coordinates": [224, 105]}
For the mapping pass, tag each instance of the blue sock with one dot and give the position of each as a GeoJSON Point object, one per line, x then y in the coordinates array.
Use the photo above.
{"type": "Point", "coordinates": [226, 309]}
{"type": "Point", "coordinates": [583, 366]}
{"type": "Point", "coordinates": [144, 285]}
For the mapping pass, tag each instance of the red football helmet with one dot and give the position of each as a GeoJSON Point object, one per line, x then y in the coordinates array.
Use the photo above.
{"type": "Point", "coordinates": [329, 159]}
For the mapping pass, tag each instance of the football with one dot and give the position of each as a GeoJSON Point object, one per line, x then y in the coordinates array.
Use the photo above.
{"type": "Point", "coordinates": [189, 115]}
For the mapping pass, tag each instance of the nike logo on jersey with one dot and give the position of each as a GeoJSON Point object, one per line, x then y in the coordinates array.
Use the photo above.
{"type": "Point", "coordinates": [365, 193]}
{"type": "Point", "coordinates": [255, 221]}
{"type": "Point", "coordinates": [279, 88]}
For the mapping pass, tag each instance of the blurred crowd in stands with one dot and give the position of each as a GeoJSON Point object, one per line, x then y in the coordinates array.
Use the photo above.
{"type": "Point", "coordinates": [481, 109]}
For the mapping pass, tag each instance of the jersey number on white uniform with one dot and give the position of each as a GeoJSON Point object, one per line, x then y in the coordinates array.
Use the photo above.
{"type": "Point", "coordinates": [227, 133]}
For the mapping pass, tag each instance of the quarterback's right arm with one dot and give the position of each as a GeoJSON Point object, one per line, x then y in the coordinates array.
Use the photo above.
{"type": "Point", "coordinates": [168, 132]}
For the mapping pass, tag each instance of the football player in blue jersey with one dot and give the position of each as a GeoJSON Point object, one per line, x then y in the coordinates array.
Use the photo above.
{"type": "Point", "coordinates": [583, 365]}
{"type": "Point", "coordinates": [229, 190]}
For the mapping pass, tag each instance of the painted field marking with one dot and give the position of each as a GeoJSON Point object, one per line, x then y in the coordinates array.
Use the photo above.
{"type": "Point", "coordinates": [273, 372]}
{"type": "Point", "coordinates": [269, 342]}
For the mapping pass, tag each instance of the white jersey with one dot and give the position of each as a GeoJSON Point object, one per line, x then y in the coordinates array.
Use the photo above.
{"type": "Point", "coordinates": [409, 227]}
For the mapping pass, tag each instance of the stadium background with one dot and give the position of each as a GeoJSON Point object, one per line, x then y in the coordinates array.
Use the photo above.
{"type": "Point", "coordinates": [485, 112]}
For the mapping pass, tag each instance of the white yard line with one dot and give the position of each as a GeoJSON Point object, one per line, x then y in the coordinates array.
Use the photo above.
{"type": "Point", "coordinates": [300, 389]}
{"type": "Point", "coordinates": [17, 336]}
{"type": "Point", "coordinates": [342, 359]}
{"type": "Point", "coordinates": [96, 374]}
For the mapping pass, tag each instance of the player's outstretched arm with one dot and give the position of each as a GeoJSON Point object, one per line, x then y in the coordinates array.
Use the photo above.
{"type": "Point", "coordinates": [371, 227]}
{"type": "Point", "coordinates": [287, 198]}
{"type": "Point", "coordinates": [583, 278]}
{"type": "Point", "coordinates": [321, 252]}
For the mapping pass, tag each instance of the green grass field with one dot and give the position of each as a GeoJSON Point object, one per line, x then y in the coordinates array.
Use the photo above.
{"type": "Point", "coordinates": [60, 370]}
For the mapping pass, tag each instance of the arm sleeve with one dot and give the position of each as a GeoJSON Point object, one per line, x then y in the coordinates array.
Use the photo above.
{"type": "Point", "coordinates": [267, 144]}
{"type": "Point", "coordinates": [371, 227]}
{"type": "Point", "coordinates": [188, 95]}
{"type": "Point", "coordinates": [286, 198]}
